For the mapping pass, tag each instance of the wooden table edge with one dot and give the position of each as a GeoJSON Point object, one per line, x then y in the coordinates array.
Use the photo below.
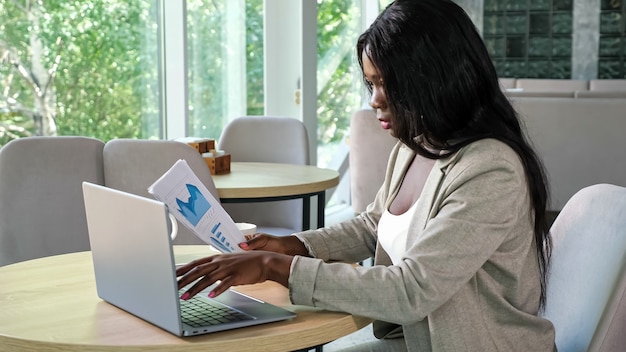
{"type": "Point", "coordinates": [276, 341]}
{"type": "Point", "coordinates": [288, 342]}
{"type": "Point", "coordinates": [226, 191]}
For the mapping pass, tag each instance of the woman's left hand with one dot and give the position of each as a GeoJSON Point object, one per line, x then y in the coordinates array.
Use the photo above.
{"type": "Point", "coordinates": [233, 269]}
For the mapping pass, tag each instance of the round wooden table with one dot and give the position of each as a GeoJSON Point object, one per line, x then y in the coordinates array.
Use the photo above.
{"type": "Point", "coordinates": [51, 304]}
{"type": "Point", "coordinates": [260, 182]}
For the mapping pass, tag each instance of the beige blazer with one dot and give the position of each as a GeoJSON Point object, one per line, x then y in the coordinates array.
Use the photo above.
{"type": "Point", "coordinates": [469, 280]}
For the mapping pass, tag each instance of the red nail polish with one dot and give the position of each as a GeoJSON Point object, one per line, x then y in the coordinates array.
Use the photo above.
{"type": "Point", "coordinates": [185, 296]}
{"type": "Point", "coordinates": [211, 294]}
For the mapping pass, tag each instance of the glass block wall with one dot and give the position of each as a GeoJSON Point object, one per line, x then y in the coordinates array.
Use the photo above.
{"type": "Point", "coordinates": [529, 38]}
{"type": "Point", "coordinates": [612, 47]}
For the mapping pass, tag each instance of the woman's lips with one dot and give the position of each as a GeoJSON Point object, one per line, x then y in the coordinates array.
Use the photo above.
{"type": "Point", "coordinates": [385, 124]}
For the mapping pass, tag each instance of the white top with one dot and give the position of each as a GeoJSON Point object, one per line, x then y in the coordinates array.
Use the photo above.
{"type": "Point", "coordinates": [392, 231]}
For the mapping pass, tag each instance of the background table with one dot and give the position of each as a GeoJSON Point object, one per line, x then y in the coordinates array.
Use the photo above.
{"type": "Point", "coordinates": [260, 182]}
{"type": "Point", "coordinates": [51, 304]}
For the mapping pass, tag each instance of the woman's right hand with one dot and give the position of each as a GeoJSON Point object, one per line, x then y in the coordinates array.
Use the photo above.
{"type": "Point", "coordinates": [289, 245]}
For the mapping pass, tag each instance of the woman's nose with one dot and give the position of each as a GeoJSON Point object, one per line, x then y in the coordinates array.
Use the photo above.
{"type": "Point", "coordinates": [377, 100]}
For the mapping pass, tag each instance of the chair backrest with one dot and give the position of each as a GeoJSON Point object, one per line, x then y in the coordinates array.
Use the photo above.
{"type": "Point", "coordinates": [370, 146]}
{"type": "Point", "coordinates": [550, 85]}
{"type": "Point", "coordinates": [586, 280]}
{"type": "Point", "coordinates": [132, 165]}
{"type": "Point", "coordinates": [267, 139]}
{"type": "Point", "coordinates": [41, 201]}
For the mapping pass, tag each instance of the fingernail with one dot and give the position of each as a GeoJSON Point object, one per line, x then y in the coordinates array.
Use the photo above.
{"type": "Point", "coordinates": [243, 245]}
{"type": "Point", "coordinates": [185, 296]}
{"type": "Point", "coordinates": [211, 294]}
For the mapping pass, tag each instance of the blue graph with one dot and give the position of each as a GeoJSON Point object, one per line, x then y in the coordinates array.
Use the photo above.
{"type": "Point", "coordinates": [195, 207]}
{"type": "Point", "coordinates": [219, 240]}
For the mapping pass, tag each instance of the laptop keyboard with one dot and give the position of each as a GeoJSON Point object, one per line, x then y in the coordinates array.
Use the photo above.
{"type": "Point", "coordinates": [198, 312]}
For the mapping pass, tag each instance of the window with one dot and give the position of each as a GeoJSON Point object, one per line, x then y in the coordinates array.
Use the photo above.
{"type": "Point", "coordinates": [106, 68]}
{"type": "Point", "coordinates": [79, 68]}
{"type": "Point", "coordinates": [339, 83]}
{"type": "Point", "coordinates": [225, 60]}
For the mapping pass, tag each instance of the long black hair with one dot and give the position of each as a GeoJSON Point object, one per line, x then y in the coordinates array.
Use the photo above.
{"type": "Point", "coordinates": [443, 92]}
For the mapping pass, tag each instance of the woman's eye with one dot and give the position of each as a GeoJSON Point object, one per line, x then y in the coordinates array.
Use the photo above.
{"type": "Point", "coordinates": [378, 84]}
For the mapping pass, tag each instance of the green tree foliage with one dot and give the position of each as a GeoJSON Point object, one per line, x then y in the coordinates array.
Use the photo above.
{"type": "Point", "coordinates": [338, 29]}
{"type": "Point", "coordinates": [207, 49]}
{"type": "Point", "coordinates": [105, 58]}
{"type": "Point", "coordinates": [254, 59]}
{"type": "Point", "coordinates": [106, 80]}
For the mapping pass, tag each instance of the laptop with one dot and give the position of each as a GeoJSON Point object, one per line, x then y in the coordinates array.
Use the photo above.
{"type": "Point", "coordinates": [135, 269]}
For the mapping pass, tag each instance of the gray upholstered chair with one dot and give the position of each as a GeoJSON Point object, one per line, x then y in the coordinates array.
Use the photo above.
{"type": "Point", "coordinates": [132, 165]}
{"type": "Point", "coordinates": [586, 298]}
{"type": "Point", "coordinates": [370, 146]}
{"type": "Point", "coordinates": [273, 140]}
{"type": "Point", "coordinates": [41, 201]}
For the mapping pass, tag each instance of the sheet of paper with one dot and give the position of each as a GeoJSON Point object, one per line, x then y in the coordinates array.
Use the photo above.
{"type": "Point", "coordinates": [196, 208]}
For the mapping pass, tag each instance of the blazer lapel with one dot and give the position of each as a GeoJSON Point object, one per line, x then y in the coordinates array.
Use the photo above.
{"type": "Point", "coordinates": [403, 161]}
{"type": "Point", "coordinates": [426, 201]}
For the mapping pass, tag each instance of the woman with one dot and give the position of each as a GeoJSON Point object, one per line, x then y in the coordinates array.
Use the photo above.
{"type": "Point", "coordinates": [458, 229]}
